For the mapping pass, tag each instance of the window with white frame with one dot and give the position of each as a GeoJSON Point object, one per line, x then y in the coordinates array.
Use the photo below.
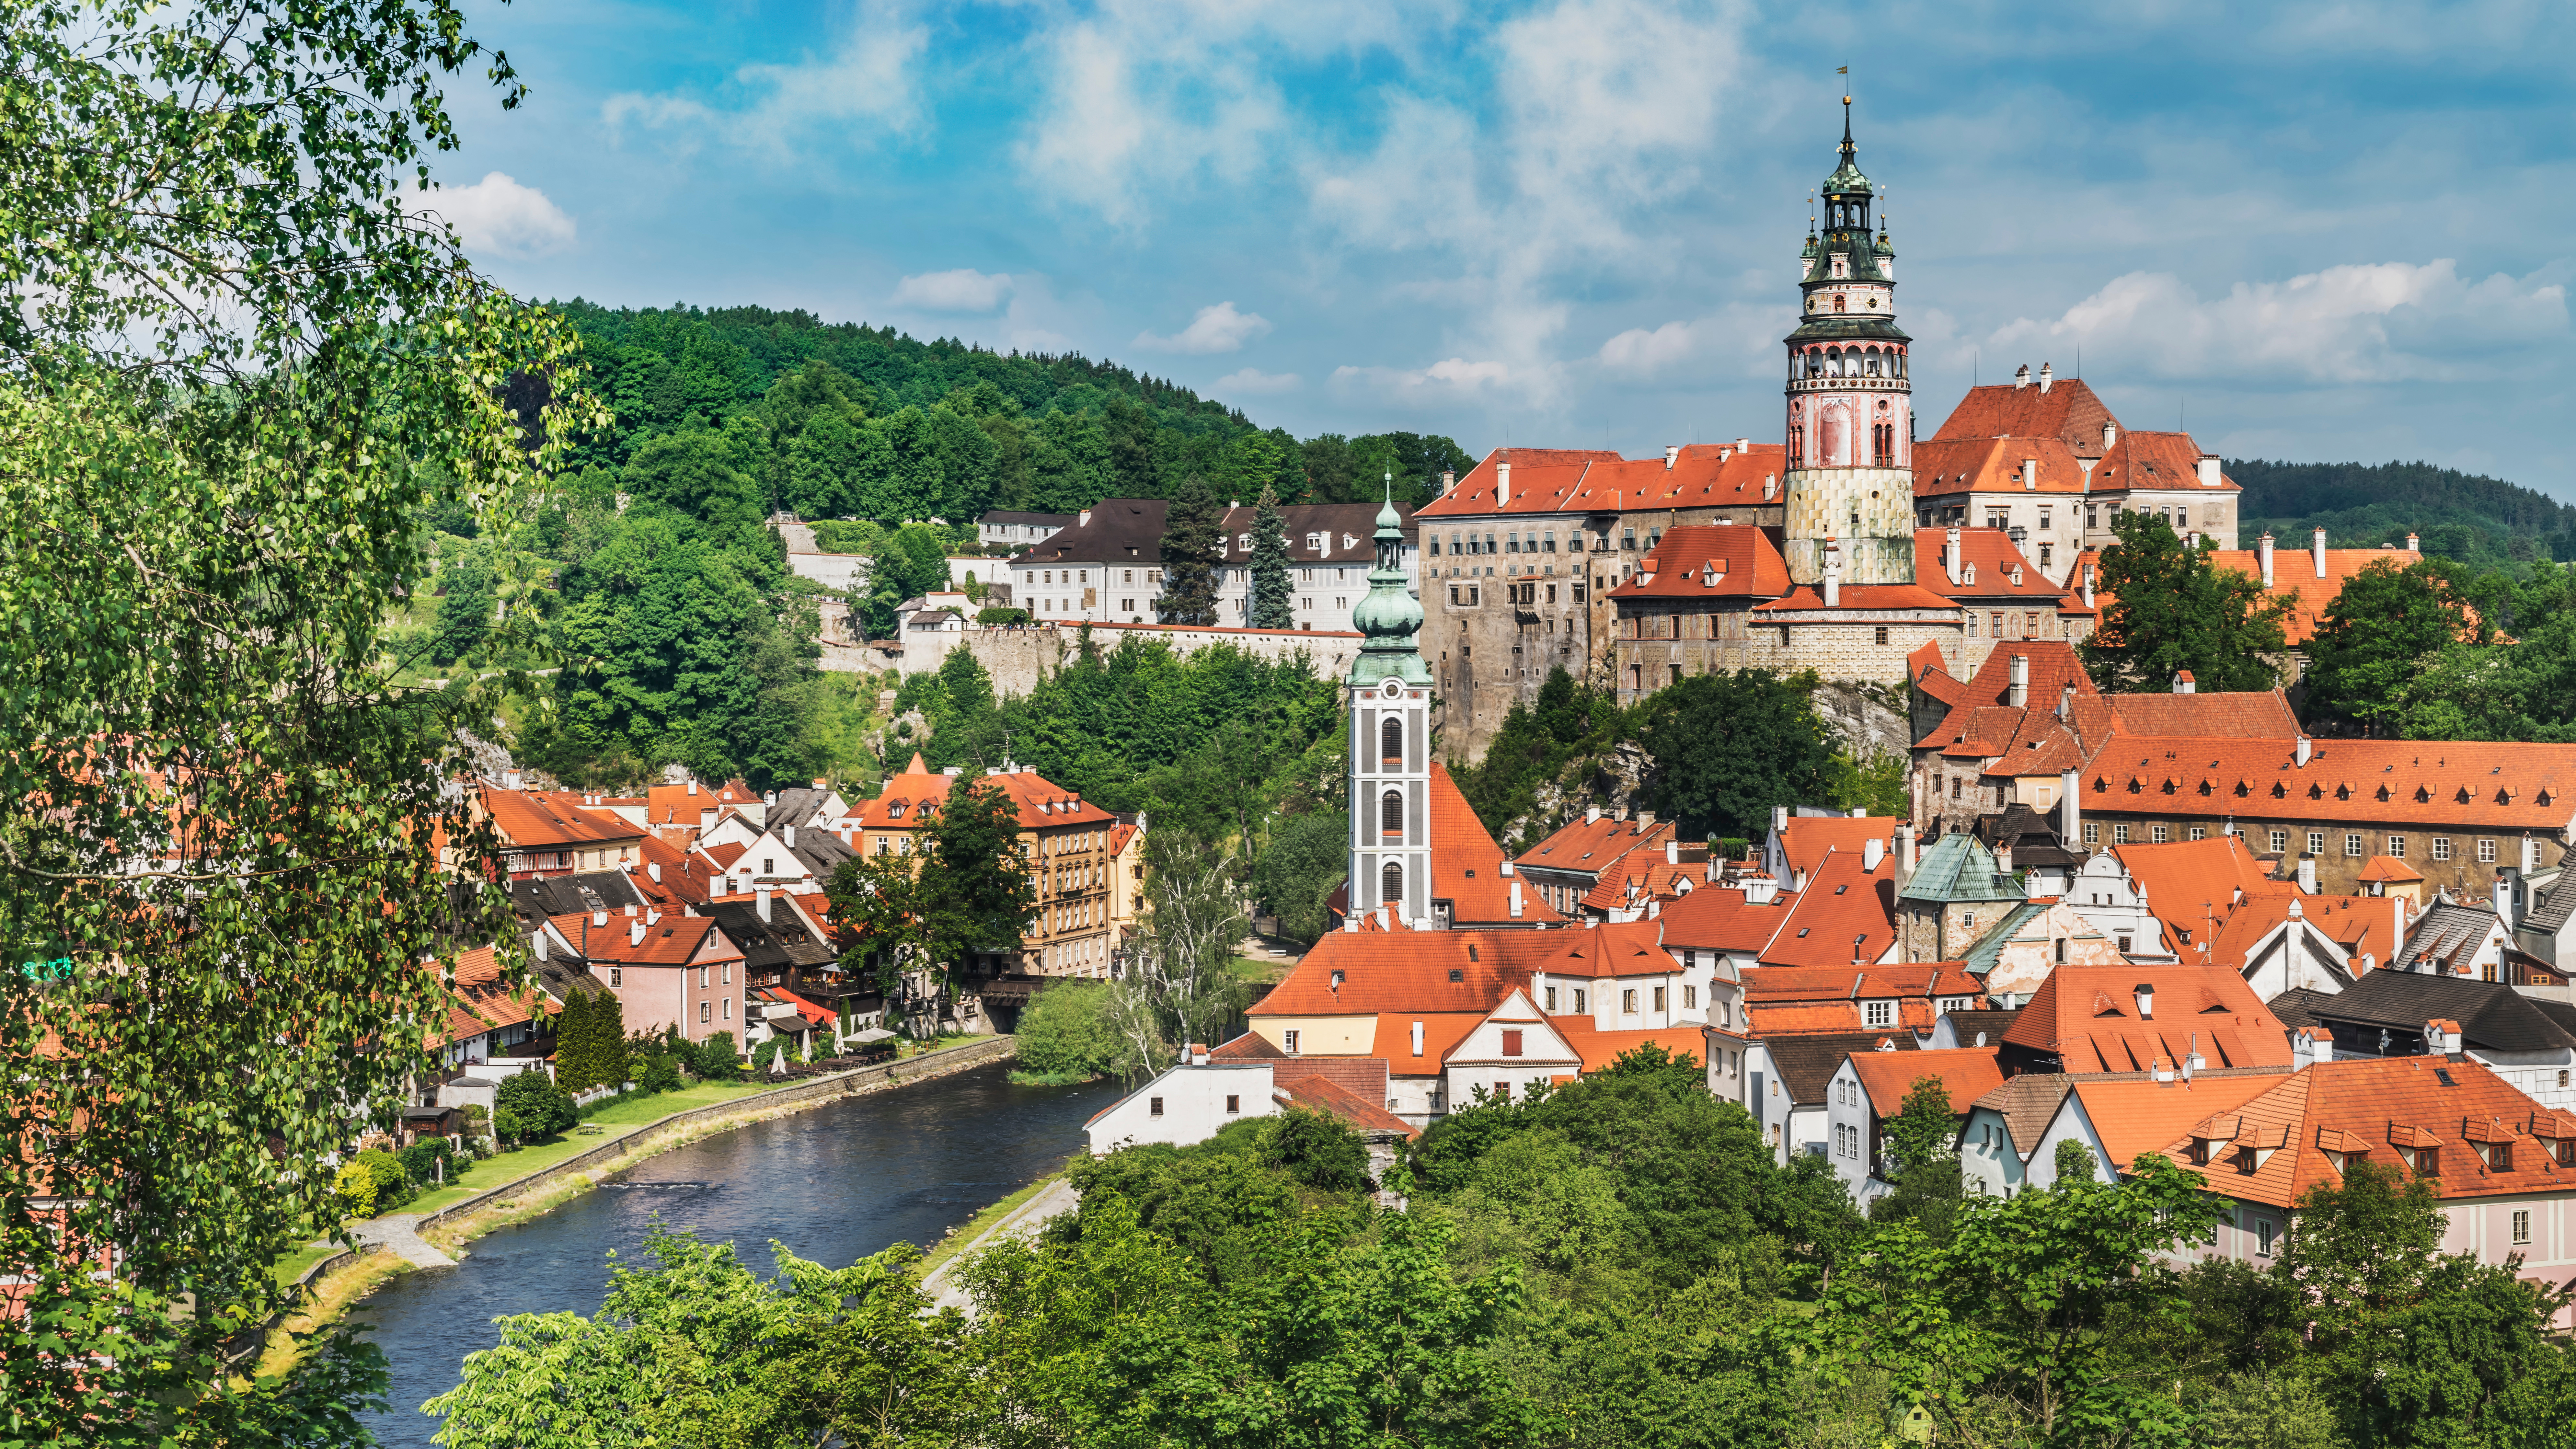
{"type": "Point", "coordinates": [2522, 1227]}
{"type": "Point", "coordinates": [2280, 842]}
{"type": "Point", "coordinates": [2486, 852]}
{"type": "Point", "coordinates": [1879, 1013]}
{"type": "Point", "coordinates": [2441, 847]}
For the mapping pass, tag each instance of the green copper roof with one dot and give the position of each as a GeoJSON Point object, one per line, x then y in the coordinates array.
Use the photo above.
{"type": "Point", "coordinates": [1989, 949]}
{"type": "Point", "coordinates": [1390, 616]}
{"type": "Point", "coordinates": [1847, 178]}
{"type": "Point", "coordinates": [1958, 868]}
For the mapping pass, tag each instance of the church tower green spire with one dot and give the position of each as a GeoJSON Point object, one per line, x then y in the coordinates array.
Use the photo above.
{"type": "Point", "coordinates": [1390, 702]}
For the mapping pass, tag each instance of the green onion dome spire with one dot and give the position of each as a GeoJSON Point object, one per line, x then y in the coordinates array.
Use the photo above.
{"type": "Point", "coordinates": [1390, 616]}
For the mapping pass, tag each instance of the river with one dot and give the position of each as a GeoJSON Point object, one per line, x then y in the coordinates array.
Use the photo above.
{"type": "Point", "coordinates": [834, 1184]}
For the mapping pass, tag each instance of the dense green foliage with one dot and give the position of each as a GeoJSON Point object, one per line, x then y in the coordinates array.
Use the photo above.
{"type": "Point", "coordinates": [918, 919]}
{"type": "Point", "coordinates": [1193, 541]}
{"type": "Point", "coordinates": [529, 1105]}
{"type": "Point", "coordinates": [1269, 565]}
{"type": "Point", "coordinates": [2439, 650]}
{"type": "Point", "coordinates": [2464, 516]}
{"type": "Point", "coordinates": [1067, 1034]}
{"type": "Point", "coordinates": [2170, 609]}
{"type": "Point", "coordinates": [590, 1042]}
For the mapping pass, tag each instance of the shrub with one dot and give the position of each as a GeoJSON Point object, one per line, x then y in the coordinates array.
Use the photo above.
{"type": "Point", "coordinates": [420, 1161]}
{"type": "Point", "coordinates": [393, 1185]}
{"type": "Point", "coordinates": [775, 1049]}
{"type": "Point", "coordinates": [661, 1073]}
{"type": "Point", "coordinates": [999, 615]}
{"type": "Point", "coordinates": [529, 1104]}
{"type": "Point", "coordinates": [1065, 1033]}
{"type": "Point", "coordinates": [1317, 1150]}
{"type": "Point", "coordinates": [357, 1190]}
{"type": "Point", "coordinates": [718, 1060]}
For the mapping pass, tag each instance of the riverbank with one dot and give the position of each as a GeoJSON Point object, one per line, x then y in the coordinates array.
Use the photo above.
{"type": "Point", "coordinates": [458, 1214]}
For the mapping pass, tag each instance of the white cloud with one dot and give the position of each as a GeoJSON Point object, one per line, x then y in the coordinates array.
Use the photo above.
{"type": "Point", "coordinates": [962, 290]}
{"type": "Point", "coordinates": [497, 214]}
{"type": "Point", "coordinates": [1640, 351]}
{"type": "Point", "coordinates": [1447, 382]}
{"type": "Point", "coordinates": [1254, 381]}
{"type": "Point", "coordinates": [2376, 322]}
{"type": "Point", "coordinates": [866, 80]}
{"type": "Point", "coordinates": [1215, 329]}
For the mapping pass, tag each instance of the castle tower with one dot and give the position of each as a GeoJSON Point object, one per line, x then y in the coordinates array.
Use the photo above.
{"type": "Point", "coordinates": [1850, 410]}
{"type": "Point", "coordinates": [1390, 743]}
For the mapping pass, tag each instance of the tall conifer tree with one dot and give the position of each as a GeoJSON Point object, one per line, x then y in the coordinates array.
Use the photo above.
{"type": "Point", "coordinates": [1193, 539]}
{"type": "Point", "coordinates": [1270, 607]}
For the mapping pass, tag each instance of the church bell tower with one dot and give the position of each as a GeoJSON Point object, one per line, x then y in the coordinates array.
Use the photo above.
{"type": "Point", "coordinates": [1390, 702]}
{"type": "Point", "coordinates": [1850, 405]}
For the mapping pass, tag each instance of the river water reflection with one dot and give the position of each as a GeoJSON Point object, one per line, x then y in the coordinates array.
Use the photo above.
{"type": "Point", "coordinates": [834, 1184]}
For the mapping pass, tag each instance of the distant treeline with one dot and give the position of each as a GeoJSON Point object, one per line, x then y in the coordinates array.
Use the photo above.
{"type": "Point", "coordinates": [2460, 515]}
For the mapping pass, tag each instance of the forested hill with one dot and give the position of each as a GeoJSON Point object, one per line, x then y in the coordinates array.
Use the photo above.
{"type": "Point", "coordinates": [2460, 515]}
{"type": "Point", "coordinates": [844, 419]}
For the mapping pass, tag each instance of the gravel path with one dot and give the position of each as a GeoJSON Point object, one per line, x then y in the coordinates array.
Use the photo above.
{"type": "Point", "coordinates": [395, 1235]}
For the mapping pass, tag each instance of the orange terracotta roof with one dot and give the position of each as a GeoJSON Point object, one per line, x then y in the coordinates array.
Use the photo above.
{"type": "Point", "coordinates": [1807, 839]}
{"type": "Point", "coordinates": [1644, 876]}
{"type": "Point", "coordinates": [723, 855]}
{"type": "Point", "coordinates": [2138, 1116]}
{"type": "Point", "coordinates": [2294, 577]}
{"type": "Point", "coordinates": [2052, 667]}
{"type": "Point", "coordinates": [1995, 465]}
{"type": "Point", "coordinates": [667, 941]}
{"type": "Point", "coordinates": [1925, 667]}
{"type": "Point", "coordinates": [1784, 985]}
{"type": "Point", "coordinates": [1991, 570]}
{"type": "Point", "coordinates": [1408, 972]}
{"type": "Point", "coordinates": [1709, 561]}
{"type": "Point", "coordinates": [2252, 715]}
{"type": "Point", "coordinates": [481, 1003]}
{"type": "Point", "coordinates": [1715, 918]}
{"type": "Point", "coordinates": [2154, 461]}
{"type": "Point", "coordinates": [1966, 1073]}
{"type": "Point", "coordinates": [2386, 1102]}
{"type": "Point", "coordinates": [2067, 411]}
{"type": "Point", "coordinates": [1119, 835]}
{"type": "Point", "coordinates": [1599, 1049]}
{"type": "Point", "coordinates": [1871, 597]}
{"type": "Point", "coordinates": [542, 819]}
{"type": "Point", "coordinates": [684, 878]}
{"type": "Point", "coordinates": [908, 800]}
{"type": "Point", "coordinates": [1441, 1033]}
{"type": "Point", "coordinates": [1466, 864]}
{"type": "Point", "coordinates": [1578, 480]}
{"type": "Point", "coordinates": [1632, 949]}
{"type": "Point", "coordinates": [1846, 914]}
{"type": "Point", "coordinates": [2473, 785]}
{"type": "Point", "coordinates": [1321, 1094]}
{"type": "Point", "coordinates": [1766, 1021]}
{"type": "Point", "coordinates": [2361, 925]}
{"type": "Point", "coordinates": [1589, 846]}
{"type": "Point", "coordinates": [2391, 870]}
{"type": "Point", "coordinates": [2087, 1017]}
{"type": "Point", "coordinates": [676, 805]}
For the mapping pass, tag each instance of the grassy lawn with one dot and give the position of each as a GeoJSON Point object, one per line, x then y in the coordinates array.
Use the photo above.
{"type": "Point", "coordinates": [288, 1268]}
{"type": "Point", "coordinates": [616, 1121]}
{"type": "Point", "coordinates": [1253, 968]}
{"type": "Point", "coordinates": [976, 1226]}
{"type": "Point", "coordinates": [907, 1048]}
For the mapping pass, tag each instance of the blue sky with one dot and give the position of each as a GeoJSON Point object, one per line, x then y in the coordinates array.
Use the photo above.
{"type": "Point", "coordinates": [2327, 231]}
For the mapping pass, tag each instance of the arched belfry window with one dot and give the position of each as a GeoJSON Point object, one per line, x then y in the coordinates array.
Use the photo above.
{"type": "Point", "coordinates": [1391, 742]}
{"type": "Point", "coordinates": [1391, 884]}
{"type": "Point", "coordinates": [1390, 815]}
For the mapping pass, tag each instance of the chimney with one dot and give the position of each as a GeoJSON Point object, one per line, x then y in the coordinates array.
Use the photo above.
{"type": "Point", "coordinates": [2504, 897]}
{"type": "Point", "coordinates": [2306, 750]}
{"type": "Point", "coordinates": [693, 787]}
{"type": "Point", "coordinates": [1507, 865]}
{"type": "Point", "coordinates": [635, 934]}
{"type": "Point", "coordinates": [2318, 548]}
{"type": "Point", "coordinates": [1759, 889]}
{"type": "Point", "coordinates": [2310, 1045]}
{"type": "Point", "coordinates": [1770, 486]}
{"type": "Point", "coordinates": [1502, 485]}
{"type": "Point", "coordinates": [2088, 585]}
{"type": "Point", "coordinates": [1198, 1054]}
{"type": "Point", "coordinates": [2110, 435]}
{"type": "Point", "coordinates": [2030, 475]}
{"type": "Point", "coordinates": [2021, 378]}
{"type": "Point", "coordinates": [1673, 851]}
{"type": "Point", "coordinates": [2019, 694]}
{"type": "Point", "coordinates": [1779, 817]}
{"type": "Point", "coordinates": [1645, 819]}
{"type": "Point", "coordinates": [1082, 519]}
{"type": "Point", "coordinates": [2209, 470]}
{"type": "Point", "coordinates": [1448, 480]}
{"type": "Point", "coordinates": [762, 898]}
{"type": "Point", "coordinates": [1744, 445]}
{"type": "Point", "coordinates": [1516, 900]}
{"type": "Point", "coordinates": [1872, 851]}
{"type": "Point", "coordinates": [543, 950]}
{"type": "Point", "coordinates": [1672, 455]}
{"type": "Point", "coordinates": [652, 917]}
{"type": "Point", "coordinates": [2414, 544]}
{"type": "Point", "coordinates": [1950, 555]}
{"type": "Point", "coordinates": [1591, 814]}
{"type": "Point", "coordinates": [1860, 812]}
{"type": "Point", "coordinates": [599, 920]}
{"type": "Point", "coordinates": [707, 818]}
{"type": "Point", "coordinates": [2066, 701]}
{"type": "Point", "coordinates": [1417, 1038]}
{"type": "Point", "coordinates": [2263, 556]}
{"type": "Point", "coordinates": [1905, 850]}
{"type": "Point", "coordinates": [2146, 991]}
{"type": "Point", "coordinates": [1833, 573]}
{"type": "Point", "coordinates": [787, 836]}
{"type": "Point", "coordinates": [2307, 874]}
{"type": "Point", "coordinates": [2441, 1037]}
{"type": "Point", "coordinates": [2182, 683]}
{"type": "Point", "coordinates": [654, 870]}
{"type": "Point", "coordinates": [2046, 376]}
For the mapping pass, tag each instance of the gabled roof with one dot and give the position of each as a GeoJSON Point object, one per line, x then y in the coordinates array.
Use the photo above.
{"type": "Point", "coordinates": [1807, 1063]}
{"type": "Point", "coordinates": [1608, 950]}
{"type": "Point", "coordinates": [1996, 465]}
{"type": "Point", "coordinates": [1991, 570]}
{"type": "Point", "coordinates": [2134, 1117]}
{"type": "Point", "coordinates": [2389, 869]}
{"type": "Point", "coordinates": [1441, 1033]}
{"type": "Point", "coordinates": [1709, 561]}
{"type": "Point", "coordinates": [2052, 667]}
{"type": "Point", "coordinates": [1646, 876]}
{"type": "Point", "coordinates": [481, 1003]}
{"type": "Point", "coordinates": [1408, 972]}
{"type": "Point", "coordinates": [2026, 1102]}
{"type": "Point", "coordinates": [1966, 1073]}
{"type": "Point", "coordinates": [783, 939]}
{"type": "Point", "coordinates": [603, 890]}
{"type": "Point", "coordinates": [1994, 1022]}
{"type": "Point", "coordinates": [1715, 918]}
{"type": "Point", "coordinates": [2066, 410]}
{"type": "Point", "coordinates": [2358, 925]}
{"type": "Point", "coordinates": [2492, 1015]}
{"type": "Point", "coordinates": [2145, 459]}
{"type": "Point", "coordinates": [552, 820]}
{"type": "Point", "coordinates": [2473, 785]}
{"type": "Point", "coordinates": [2446, 938]}
{"type": "Point", "coordinates": [2192, 885]}
{"type": "Point", "coordinates": [1847, 913]}
{"type": "Point", "coordinates": [2087, 1017]}
{"type": "Point", "coordinates": [678, 805]}
{"type": "Point", "coordinates": [1587, 480]}
{"type": "Point", "coordinates": [1930, 675]}
{"type": "Point", "coordinates": [1466, 864]}
{"type": "Point", "coordinates": [684, 876]}
{"type": "Point", "coordinates": [1320, 1094]}
{"type": "Point", "coordinates": [2249, 715]}
{"type": "Point", "coordinates": [2376, 1104]}
{"type": "Point", "coordinates": [1589, 846]}
{"type": "Point", "coordinates": [1959, 867]}
{"type": "Point", "coordinates": [1807, 839]}
{"type": "Point", "coordinates": [668, 940]}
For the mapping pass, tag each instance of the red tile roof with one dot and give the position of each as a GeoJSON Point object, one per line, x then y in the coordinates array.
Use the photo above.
{"type": "Point", "coordinates": [1408, 972]}
{"type": "Point", "coordinates": [1769, 1021]}
{"type": "Point", "coordinates": [2361, 925]}
{"type": "Point", "coordinates": [1791, 985]}
{"type": "Point", "coordinates": [2137, 1116]}
{"type": "Point", "coordinates": [668, 941]}
{"type": "Point", "coordinates": [481, 1003]}
{"type": "Point", "coordinates": [1633, 949]}
{"type": "Point", "coordinates": [2053, 666]}
{"type": "Point", "coordinates": [1441, 1033]}
{"type": "Point", "coordinates": [2389, 869]}
{"type": "Point", "coordinates": [1645, 876]}
{"type": "Point", "coordinates": [1990, 569]}
{"type": "Point", "coordinates": [1846, 914]}
{"type": "Point", "coordinates": [2154, 460]}
{"type": "Point", "coordinates": [908, 798]}
{"type": "Point", "coordinates": [2087, 1017]}
{"type": "Point", "coordinates": [1710, 561]}
{"type": "Point", "coordinates": [1807, 839]}
{"type": "Point", "coordinates": [2294, 577]}
{"type": "Point", "coordinates": [2258, 714]}
{"type": "Point", "coordinates": [684, 878]}
{"type": "Point", "coordinates": [2371, 1106]}
{"type": "Point", "coordinates": [1874, 597]}
{"type": "Point", "coordinates": [2067, 411]}
{"type": "Point", "coordinates": [676, 805]}
{"type": "Point", "coordinates": [1995, 465]}
{"type": "Point", "coordinates": [2193, 886]}
{"type": "Point", "coordinates": [2465, 785]}
{"type": "Point", "coordinates": [1323, 1095]}
{"type": "Point", "coordinates": [552, 819]}
{"type": "Point", "coordinates": [1925, 667]}
{"type": "Point", "coordinates": [1591, 845]}
{"type": "Point", "coordinates": [1574, 480]}
{"type": "Point", "coordinates": [1715, 918]}
{"type": "Point", "coordinates": [1966, 1073]}
{"type": "Point", "coordinates": [1466, 864]}
{"type": "Point", "coordinates": [1599, 1049]}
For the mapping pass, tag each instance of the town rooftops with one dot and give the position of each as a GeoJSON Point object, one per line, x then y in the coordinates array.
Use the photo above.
{"type": "Point", "coordinates": [2365, 928]}
{"type": "Point", "coordinates": [2048, 666]}
{"type": "Point", "coordinates": [2251, 715]}
{"type": "Point", "coordinates": [1716, 918]}
{"type": "Point", "coordinates": [1996, 465]}
{"type": "Point", "coordinates": [2472, 785]}
{"type": "Point", "coordinates": [1356, 973]}
{"type": "Point", "coordinates": [2446, 938]}
{"type": "Point", "coordinates": [2091, 1021]}
{"type": "Point", "coordinates": [1846, 914]}
{"type": "Point", "coordinates": [1857, 598]}
{"type": "Point", "coordinates": [2193, 886]}
{"type": "Point", "coordinates": [2143, 1115]}
{"type": "Point", "coordinates": [1598, 1049]}
{"type": "Point", "coordinates": [2065, 410]}
{"type": "Point", "coordinates": [1706, 561]}
{"type": "Point", "coordinates": [1467, 866]}
{"type": "Point", "coordinates": [1130, 530]}
{"type": "Point", "coordinates": [1807, 1063]}
{"type": "Point", "coordinates": [1991, 571]}
{"type": "Point", "coordinates": [685, 805]}
{"type": "Point", "coordinates": [1805, 840]}
{"type": "Point", "coordinates": [2294, 577]}
{"type": "Point", "coordinates": [2154, 461]}
{"type": "Point", "coordinates": [2492, 1015]}
{"type": "Point", "coordinates": [1959, 867]}
{"type": "Point", "coordinates": [552, 819]}
{"type": "Point", "coordinates": [1965, 1074]}
{"type": "Point", "coordinates": [1586, 845]}
{"type": "Point", "coordinates": [2450, 1120]}
{"type": "Point", "coordinates": [1583, 480]}
{"type": "Point", "coordinates": [482, 1003]}
{"type": "Point", "coordinates": [910, 800]}
{"type": "Point", "coordinates": [644, 939]}
{"type": "Point", "coordinates": [1633, 949]}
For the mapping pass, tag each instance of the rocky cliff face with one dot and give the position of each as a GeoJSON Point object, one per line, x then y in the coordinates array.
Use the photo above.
{"type": "Point", "coordinates": [1867, 719]}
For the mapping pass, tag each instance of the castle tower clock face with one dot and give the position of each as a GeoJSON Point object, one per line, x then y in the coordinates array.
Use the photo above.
{"type": "Point", "coordinates": [1392, 689]}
